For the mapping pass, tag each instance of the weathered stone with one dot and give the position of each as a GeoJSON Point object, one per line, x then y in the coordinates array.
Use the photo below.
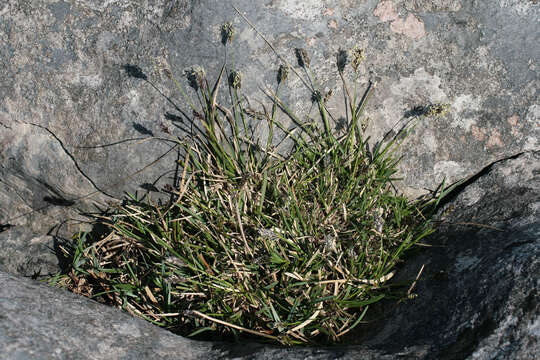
{"type": "Point", "coordinates": [479, 291]}
{"type": "Point", "coordinates": [67, 89]}
{"type": "Point", "coordinates": [40, 322]}
{"type": "Point", "coordinates": [78, 117]}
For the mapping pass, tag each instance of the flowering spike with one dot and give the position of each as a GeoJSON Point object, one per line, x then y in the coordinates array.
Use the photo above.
{"type": "Point", "coordinates": [302, 57]}
{"type": "Point", "coordinates": [357, 57]}
{"type": "Point", "coordinates": [227, 33]}
{"type": "Point", "coordinates": [283, 73]}
{"type": "Point", "coordinates": [235, 79]}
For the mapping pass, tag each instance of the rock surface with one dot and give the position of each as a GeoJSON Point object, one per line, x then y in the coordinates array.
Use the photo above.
{"type": "Point", "coordinates": [76, 132]}
{"type": "Point", "coordinates": [74, 125]}
{"type": "Point", "coordinates": [40, 322]}
{"type": "Point", "coordinates": [478, 297]}
{"type": "Point", "coordinates": [479, 293]}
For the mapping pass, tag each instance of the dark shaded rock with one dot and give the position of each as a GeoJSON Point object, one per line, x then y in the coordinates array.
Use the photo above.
{"type": "Point", "coordinates": [477, 298]}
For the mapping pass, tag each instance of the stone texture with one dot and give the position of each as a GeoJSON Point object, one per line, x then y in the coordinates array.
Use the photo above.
{"type": "Point", "coordinates": [479, 293]}
{"type": "Point", "coordinates": [74, 125]}
{"type": "Point", "coordinates": [478, 297]}
{"type": "Point", "coordinates": [76, 131]}
{"type": "Point", "coordinates": [40, 322]}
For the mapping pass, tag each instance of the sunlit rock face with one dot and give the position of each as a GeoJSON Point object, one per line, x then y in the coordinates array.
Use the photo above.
{"type": "Point", "coordinates": [86, 106]}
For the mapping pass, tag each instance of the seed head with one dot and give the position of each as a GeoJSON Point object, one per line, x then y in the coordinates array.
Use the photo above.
{"type": "Point", "coordinates": [437, 110]}
{"type": "Point", "coordinates": [235, 79]}
{"type": "Point", "coordinates": [196, 77]}
{"type": "Point", "coordinates": [227, 33]}
{"type": "Point", "coordinates": [328, 95]}
{"type": "Point", "coordinates": [302, 57]}
{"type": "Point", "coordinates": [283, 73]}
{"type": "Point", "coordinates": [357, 57]}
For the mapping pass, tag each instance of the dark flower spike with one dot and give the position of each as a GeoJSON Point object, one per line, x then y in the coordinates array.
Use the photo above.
{"type": "Point", "coordinates": [437, 109]}
{"type": "Point", "coordinates": [227, 33]}
{"type": "Point", "coordinates": [357, 57]}
{"type": "Point", "coordinates": [135, 72]}
{"type": "Point", "coordinates": [235, 79]}
{"type": "Point", "coordinates": [283, 73]}
{"type": "Point", "coordinates": [316, 96]}
{"type": "Point", "coordinates": [195, 77]}
{"type": "Point", "coordinates": [302, 57]}
{"type": "Point", "coordinates": [328, 95]}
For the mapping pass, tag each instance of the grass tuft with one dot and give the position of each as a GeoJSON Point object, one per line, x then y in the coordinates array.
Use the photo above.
{"type": "Point", "coordinates": [290, 246]}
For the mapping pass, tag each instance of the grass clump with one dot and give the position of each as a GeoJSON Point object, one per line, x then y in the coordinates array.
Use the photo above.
{"type": "Point", "coordinates": [292, 246]}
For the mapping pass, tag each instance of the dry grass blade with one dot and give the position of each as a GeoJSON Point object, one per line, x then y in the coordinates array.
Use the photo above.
{"type": "Point", "coordinates": [307, 322]}
{"type": "Point", "coordinates": [221, 322]}
{"type": "Point", "coordinates": [239, 219]}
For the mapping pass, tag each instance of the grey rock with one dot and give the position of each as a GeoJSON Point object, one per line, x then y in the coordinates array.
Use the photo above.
{"type": "Point", "coordinates": [77, 131]}
{"type": "Point", "coordinates": [477, 298]}
{"type": "Point", "coordinates": [80, 125]}
{"type": "Point", "coordinates": [41, 322]}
